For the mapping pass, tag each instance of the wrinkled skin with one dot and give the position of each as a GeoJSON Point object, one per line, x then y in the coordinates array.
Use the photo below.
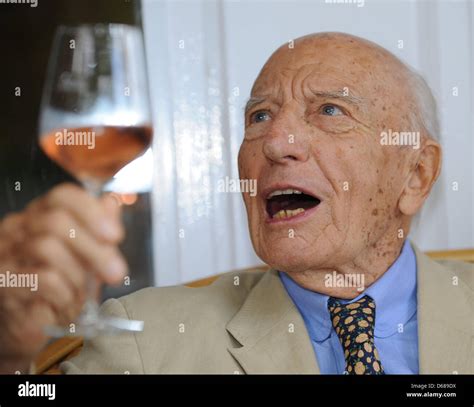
{"type": "Point", "coordinates": [329, 145]}
{"type": "Point", "coordinates": [351, 231]}
{"type": "Point", "coordinates": [38, 241]}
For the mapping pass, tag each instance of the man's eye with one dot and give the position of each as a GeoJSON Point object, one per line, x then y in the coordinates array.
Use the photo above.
{"type": "Point", "coordinates": [331, 110]}
{"type": "Point", "coordinates": [259, 116]}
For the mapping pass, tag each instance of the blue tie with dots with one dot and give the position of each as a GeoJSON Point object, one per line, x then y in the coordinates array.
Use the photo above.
{"type": "Point", "coordinates": [354, 325]}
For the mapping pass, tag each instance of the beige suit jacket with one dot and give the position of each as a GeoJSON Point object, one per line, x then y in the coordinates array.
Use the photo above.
{"type": "Point", "coordinates": [247, 323]}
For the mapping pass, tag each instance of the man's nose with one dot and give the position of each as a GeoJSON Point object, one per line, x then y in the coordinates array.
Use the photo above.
{"type": "Point", "coordinates": [286, 140]}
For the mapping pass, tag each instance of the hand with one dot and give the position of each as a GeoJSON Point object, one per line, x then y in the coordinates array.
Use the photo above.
{"type": "Point", "coordinates": [58, 239]}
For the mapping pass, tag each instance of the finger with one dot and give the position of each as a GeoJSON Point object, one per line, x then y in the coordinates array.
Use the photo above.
{"type": "Point", "coordinates": [25, 332]}
{"type": "Point", "coordinates": [49, 251]}
{"type": "Point", "coordinates": [12, 226]}
{"type": "Point", "coordinates": [41, 314]}
{"type": "Point", "coordinates": [112, 205]}
{"type": "Point", "coordinates": [55, 290]}
{"type": "Point", "coordinates": [87, 255]}
{"type": "Point", "coordinates": [87, 209]}
{"type": "Point", "coordinates": [14, 298]}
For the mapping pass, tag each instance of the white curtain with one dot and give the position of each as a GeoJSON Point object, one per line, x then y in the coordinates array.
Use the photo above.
{"type": "Point", "coordinates": [202, 59]}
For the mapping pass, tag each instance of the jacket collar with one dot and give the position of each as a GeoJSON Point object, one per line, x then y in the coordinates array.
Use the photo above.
{"type": "Point", "coordinates": [271, 332]}
{"type": "Point", "coordinates": [273, 337]}
{"type": "Point", "coordinates": [444, 319]}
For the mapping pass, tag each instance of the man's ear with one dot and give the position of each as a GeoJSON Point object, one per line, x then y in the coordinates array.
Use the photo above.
{"type": "Point", "coordinates": [421, 178]}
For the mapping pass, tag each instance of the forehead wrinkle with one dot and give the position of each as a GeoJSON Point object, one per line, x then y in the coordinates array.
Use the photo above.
{"type": "Point", "coordinates": [276, 93]}
{"type": "Point", "coordinates": [338, 95]}
{"type": "Point", "coordinates": [253, 101]}
{"type": "Point", "coordinates": [299, 80]}
{"type": "Point", "coordinates": [256, 100]}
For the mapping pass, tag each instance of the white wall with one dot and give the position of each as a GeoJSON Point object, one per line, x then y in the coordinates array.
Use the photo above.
{"type": "Point", "coordinates": [203, 57]}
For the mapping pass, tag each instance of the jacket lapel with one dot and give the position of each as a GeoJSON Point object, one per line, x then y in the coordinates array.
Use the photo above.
{"type": "Point", "coordinates": [273, 337]}
{"type": "Point", "coordinates": [444, 319]}
{"type": "Point", "coordinates": [271, 332]}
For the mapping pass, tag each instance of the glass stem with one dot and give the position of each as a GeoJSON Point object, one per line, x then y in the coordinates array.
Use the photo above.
{"type": "Point", "coordinates": [91, 307]}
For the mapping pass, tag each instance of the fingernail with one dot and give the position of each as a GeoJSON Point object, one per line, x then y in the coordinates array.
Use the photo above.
{"type": "Point", "coordinates": [114, 199]}
{"type": "Point", "coordinates": [109, 230]}
{"type": "Point", "coordinates": [116, 268]}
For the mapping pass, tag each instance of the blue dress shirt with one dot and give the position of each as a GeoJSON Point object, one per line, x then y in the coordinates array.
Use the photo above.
{"type": "Point", "coordinates": [396, 327]}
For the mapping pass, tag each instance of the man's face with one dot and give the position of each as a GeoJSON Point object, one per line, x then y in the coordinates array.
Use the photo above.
{"type": "Point", "coordinates": [313, 125]}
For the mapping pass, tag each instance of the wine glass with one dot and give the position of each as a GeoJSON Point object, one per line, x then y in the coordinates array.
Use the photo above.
{"type": "Point", "coordinates": [95, 118]}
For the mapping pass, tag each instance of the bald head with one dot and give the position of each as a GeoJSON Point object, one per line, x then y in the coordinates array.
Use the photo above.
{"type": "Point", "coordinates": [316, 122]}
{"type": "Point", "coordinates": [369, 63]}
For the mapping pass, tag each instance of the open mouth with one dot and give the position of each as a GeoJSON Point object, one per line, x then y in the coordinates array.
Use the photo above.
{"type": "Point", "coordinates": [288, 203]}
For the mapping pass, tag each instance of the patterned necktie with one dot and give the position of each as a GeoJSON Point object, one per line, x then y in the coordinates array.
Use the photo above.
{"type": "Point", "coordinates": [354, 325]}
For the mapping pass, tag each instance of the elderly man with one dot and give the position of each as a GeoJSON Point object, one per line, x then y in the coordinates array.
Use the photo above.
{"type": "Point", "coordinates": [346, 293]}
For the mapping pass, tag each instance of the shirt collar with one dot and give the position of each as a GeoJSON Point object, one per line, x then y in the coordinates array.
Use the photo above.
{"type": "Point", "coordinates": [312, 306]}
{"type": "Point", "coordinates": [394, 294]}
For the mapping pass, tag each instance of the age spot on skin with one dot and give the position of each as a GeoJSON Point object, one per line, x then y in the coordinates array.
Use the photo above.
{"type": "Point", "coordinates": [375, 212]}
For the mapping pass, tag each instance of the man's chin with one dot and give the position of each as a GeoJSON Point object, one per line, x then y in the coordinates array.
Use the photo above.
{"type": "Point", "coordinates": [292, 254]}
{"type": "Point", "coordinates": [287, 260]}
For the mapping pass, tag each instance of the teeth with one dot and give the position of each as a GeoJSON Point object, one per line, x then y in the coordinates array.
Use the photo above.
{"type": "Point", "coordinates": [287, 213]}
{"type": "Point", "coordinates": [283, 192]}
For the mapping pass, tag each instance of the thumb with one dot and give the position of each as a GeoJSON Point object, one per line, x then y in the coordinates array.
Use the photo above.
{"type": "Point", "coordinates": [111, 204]}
